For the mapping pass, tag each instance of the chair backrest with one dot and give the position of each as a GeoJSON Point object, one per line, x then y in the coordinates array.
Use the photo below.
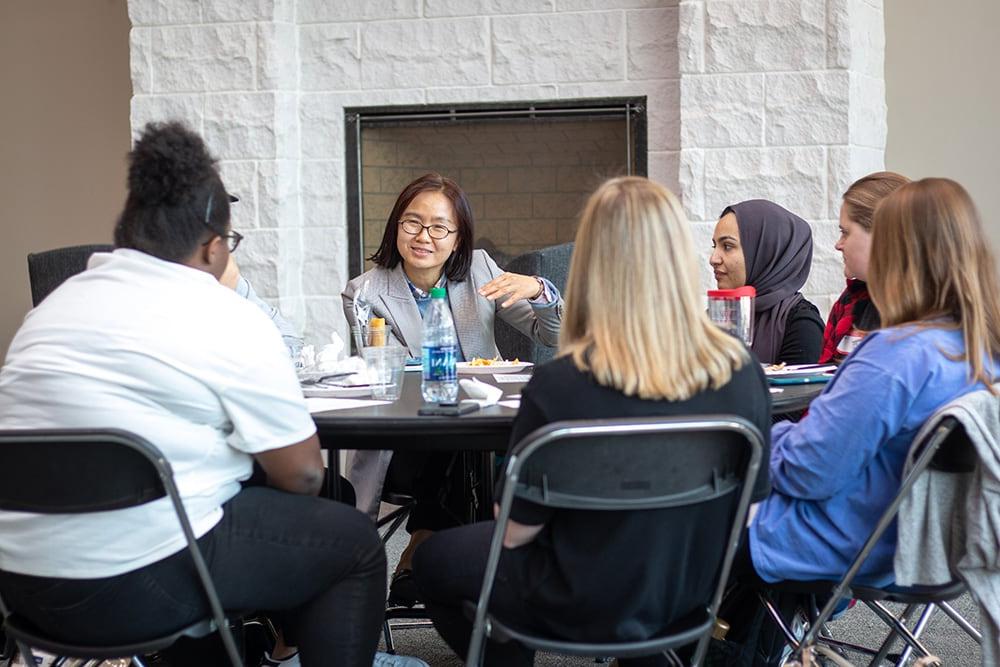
{"type": "Point", "coordinates": [551, 263]}
{"type": "Point", "coordinates": [80, 470]}
{"type": "Point", "coordinates": [49, 269]}
{"type": "Point", "coordinates": [68, 471]}
{"type": "Point", "coordinates": [946, 447]}
{"type": "Point", "coordinates": [632, 464]}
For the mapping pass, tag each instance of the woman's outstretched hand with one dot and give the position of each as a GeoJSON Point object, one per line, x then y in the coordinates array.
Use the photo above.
{"type": "Point", "coordinates": [512, 285]}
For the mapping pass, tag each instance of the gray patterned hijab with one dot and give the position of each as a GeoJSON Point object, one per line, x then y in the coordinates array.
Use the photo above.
{"type": "Point", "coordinates": [777, 250]}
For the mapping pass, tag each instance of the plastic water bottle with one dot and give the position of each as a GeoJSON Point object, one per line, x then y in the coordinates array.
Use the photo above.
{"type": "Point", "coordinates": [440, 350]}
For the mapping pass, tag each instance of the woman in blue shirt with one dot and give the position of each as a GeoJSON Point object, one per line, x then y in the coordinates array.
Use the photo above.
{"type": "Point", "coordinates": [934, 281]}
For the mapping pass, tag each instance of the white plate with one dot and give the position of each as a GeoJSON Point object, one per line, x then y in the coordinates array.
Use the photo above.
{"type": "Point", "coordinates": [799, 370]}
{"type": "Point", "coordinates": [333, 391]}
{"type": "Point", "coordinates": [501, 367]}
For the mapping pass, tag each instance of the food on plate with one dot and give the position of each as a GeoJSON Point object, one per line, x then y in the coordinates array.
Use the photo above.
{"type": "Point", "coordinates": [773, 368]}
{"type": "Point", "coordinates": [496, 361]}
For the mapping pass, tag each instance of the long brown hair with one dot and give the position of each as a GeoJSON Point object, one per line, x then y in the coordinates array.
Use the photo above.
{"type": "Point", "coordinates": [634, 314]}
{"type": "Point", "coordinates": [931, 265]}
{"type": "Point", "coordinates": [864, 194]}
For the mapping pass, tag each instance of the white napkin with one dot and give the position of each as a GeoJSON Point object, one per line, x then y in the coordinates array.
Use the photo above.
{"type": "Point", "coordinates": [480, 392]}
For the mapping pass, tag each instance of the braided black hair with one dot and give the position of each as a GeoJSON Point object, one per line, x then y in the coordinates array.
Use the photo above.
{"type": "Point", "coordinates": [176, 199]}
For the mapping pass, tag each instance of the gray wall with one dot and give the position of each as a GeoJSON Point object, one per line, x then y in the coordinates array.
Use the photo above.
{"type": "Point", "coordinates": [943, 91]}
{"type": "Point", "coordinates": [64, 77]}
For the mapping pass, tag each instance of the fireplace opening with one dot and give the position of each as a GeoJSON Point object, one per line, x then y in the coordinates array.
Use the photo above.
{"type": "Point", "coordinates": [527, 168]}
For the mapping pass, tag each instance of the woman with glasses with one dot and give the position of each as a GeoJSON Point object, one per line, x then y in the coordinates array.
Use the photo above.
{"type": "Point", "coordinates": [428, 242]}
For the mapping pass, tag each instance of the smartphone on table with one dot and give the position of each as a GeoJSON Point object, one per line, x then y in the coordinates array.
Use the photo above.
{"type": "Point", "coordinates": [448, 409]}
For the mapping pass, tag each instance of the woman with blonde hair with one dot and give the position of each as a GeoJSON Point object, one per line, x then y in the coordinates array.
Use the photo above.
{"type": "Point", "coordinates": [934, 281]}
{"type": "Point", "coordinates": [635, 342]}
{"type": "Point", "coordinates": [853, 315]}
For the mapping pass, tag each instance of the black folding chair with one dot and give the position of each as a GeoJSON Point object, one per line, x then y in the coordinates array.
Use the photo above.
{"type": "Point", "coordinates": [53, 472]}
{"type": "Point", "coordinates": [945, 448]}
{"type": "Point", "coordinates": [49, 269]}
{"type": "Point", "coordinates": [620, 465]}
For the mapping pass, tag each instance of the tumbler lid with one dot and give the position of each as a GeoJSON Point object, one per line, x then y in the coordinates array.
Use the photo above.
{"type": "Point", "coordinates": [739, 292]}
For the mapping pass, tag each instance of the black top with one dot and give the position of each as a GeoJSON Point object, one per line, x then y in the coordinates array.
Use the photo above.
{"type": "Point", "coordinates": [624, 575]}
{"type": "Point", "coordinates": [803, 340]}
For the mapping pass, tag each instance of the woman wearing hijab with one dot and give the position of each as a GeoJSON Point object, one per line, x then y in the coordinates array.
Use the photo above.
{"type": "Point", "coordinates": [760, 244]}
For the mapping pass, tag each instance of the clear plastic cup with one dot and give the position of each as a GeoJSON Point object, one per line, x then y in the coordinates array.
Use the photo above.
{"type": "Point", "coordinates": [732, 311]}
{"type": "Point", "coordinates": [385, 365]}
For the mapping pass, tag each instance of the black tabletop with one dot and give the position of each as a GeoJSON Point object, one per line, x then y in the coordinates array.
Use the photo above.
{"type": "Point", "coordinates": [794, 397]}
{"type": "Point", "coordinates": [397, 425]}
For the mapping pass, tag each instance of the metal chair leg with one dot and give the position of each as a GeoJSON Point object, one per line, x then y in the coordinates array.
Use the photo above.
{"type": "Point", "coordinates": [918, 629]}
{"type": "Point", "coordinates": [899, 627]}
{"type": "Point", "coordinates": [961, 622]}
{"type": "Point", "coordinates": [387, 633]}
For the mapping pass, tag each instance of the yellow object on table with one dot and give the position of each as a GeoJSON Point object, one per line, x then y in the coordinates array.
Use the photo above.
{"type": "Point", "coordinates": [376, 332]}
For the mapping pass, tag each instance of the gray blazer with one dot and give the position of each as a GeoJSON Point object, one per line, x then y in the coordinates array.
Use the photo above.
{"type": "Point", "coordinates": [474, 317]}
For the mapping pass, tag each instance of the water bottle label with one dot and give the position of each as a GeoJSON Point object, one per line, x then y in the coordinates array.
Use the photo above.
{"type": "Point", "coordinates": [439, 363]}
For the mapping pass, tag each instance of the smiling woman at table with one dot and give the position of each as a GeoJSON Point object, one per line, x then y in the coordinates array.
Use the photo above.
{"type": "Point", "coordinates": [760, 244]}
{"type": "Point", "coordinates": [428, 243]}
{"type": "Point", "coordinates": [635, 343]}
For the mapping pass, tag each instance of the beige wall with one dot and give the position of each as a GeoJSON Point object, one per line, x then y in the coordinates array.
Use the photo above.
{"type": "Point", "coordinates": [64, 77]}
{"type": "Point", "coordinates": [943, 91]}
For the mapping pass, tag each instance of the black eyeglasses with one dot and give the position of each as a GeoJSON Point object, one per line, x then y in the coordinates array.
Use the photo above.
{"type": "Point", "coordinates": [232, 237]}
{"type": "Point", "coordinates": [437, 232]}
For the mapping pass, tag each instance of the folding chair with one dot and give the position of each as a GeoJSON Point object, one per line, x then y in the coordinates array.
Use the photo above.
{"type": "Point", "coordinates": [618, 465]}
{"type": "Point", "coordinates": [49, 269]}
{"type": "Point", "coordinates": [945, 448]}
{"type": "Point", "coordinates": [53, 472]}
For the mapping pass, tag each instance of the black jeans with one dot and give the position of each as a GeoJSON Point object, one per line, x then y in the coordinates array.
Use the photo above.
{"type": "Point", "coordinates": [449, 569]}
{"type": "Point", "coordinates": [434, 479]}
{"type": "Point", "coordinates": [320, 560]}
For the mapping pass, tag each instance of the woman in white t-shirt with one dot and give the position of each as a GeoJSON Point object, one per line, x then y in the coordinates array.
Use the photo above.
{"type": "Point", "coordinates": [149, 341]}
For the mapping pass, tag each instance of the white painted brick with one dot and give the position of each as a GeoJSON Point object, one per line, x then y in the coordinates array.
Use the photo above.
{"type": "Point", "coordinates": [293, 309]}
{"type": "Point", "coordinates": [465, 94]}
{"type": "Point", "coordinates": [846, 164]}
{"type": "Point", "coordinates": [277, 64]}
{"type": "Point", "coordinates": [558, 47]}
{"type": "Point", "coordinates": [807, 108]}
{"type": "Point", "coordinates": [324, 11]}
{"type": "Point", "coordinates": [240, 179]}
{"type": "Point", "coordinates": [442, 52]}
{"type": "Point", "coordinates": [791, 176]}
{"type": "Point", "coordinates": [578, 5]}
{"type": "Point", "coordinates": [258, 260]}
{"type": "Point", "coordinates": [663, 106]}
{"type": "Point", "coordinates": [286, 123]}
{"type": "Point", "coordinates": [868, 111]}
{"type": "Point", "coordinates": [765, 35]}
{"type": "Point", "coordinates": [826, 274]}
{"type": "Point", "coordinates": [701, 239]}
{"type": "Point", "coordinates": [160, 108]}
{"type": "Point", "coordinates": [437, 8]}
{"type": "Point", "coordinates": [691, 37]}
{"type": "Point", "coordinates": [323, 195]}
{"type": "Point", "coordinates": [330, 56]}
{"type": "Point", "coordinates": [290, 255]}
{"type": "Point", "coordinates": [321, 117]}
{"type": "Point", "coordinates": [161, 12]}
{"type": "Point", "coordinates": [691, 178]}
{"type": "Point", "coordinates": [324, 314]}
{"type": "Point", "coordinates": [652, 43]}
{"type": "Point", "coordinates": [140, 60]}
{"type": "Point", "coordinates": [278, 193]}
{"type": "Point", "coordinates": [856, 32]}
{"type": "Point", "coordinates": [221, 11]}
{"type": "Point", "coordinates": [204, 58]}
{"type": "Point", "coordinates": [242, 125]}
{"type": "Point", "coordinates": [719, 110]}
{"type": "Point", "coordinates": [325, 255]}
{"type": "Point", "coordinates": [664, 168]}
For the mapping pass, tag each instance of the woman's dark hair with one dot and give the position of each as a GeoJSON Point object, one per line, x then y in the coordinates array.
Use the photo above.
{"type": "Point", "coordinates": [175, 196]}
{"type": "Point", "coordinates": [457, 266]}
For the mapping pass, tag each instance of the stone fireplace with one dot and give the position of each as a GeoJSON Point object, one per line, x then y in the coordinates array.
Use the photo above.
{"type": "Point", "coordinates": [782, 99]}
